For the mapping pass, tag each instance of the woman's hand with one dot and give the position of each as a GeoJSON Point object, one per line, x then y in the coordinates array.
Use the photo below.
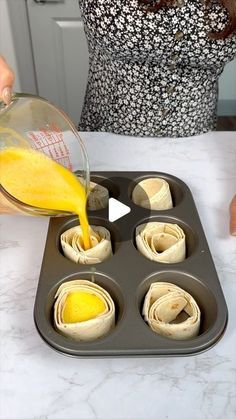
{"type": "Point", "coordinates": [6, 81]}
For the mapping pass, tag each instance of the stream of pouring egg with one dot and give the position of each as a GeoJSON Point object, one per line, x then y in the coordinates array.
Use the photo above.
{"type": "Point", "coordinates": [36, 180]}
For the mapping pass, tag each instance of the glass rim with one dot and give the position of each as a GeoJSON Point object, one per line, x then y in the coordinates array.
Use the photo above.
{"type": "Point", "coordinates": [30, 209]}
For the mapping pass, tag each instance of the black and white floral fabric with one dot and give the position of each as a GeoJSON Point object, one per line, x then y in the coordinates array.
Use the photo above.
{"type": "Point", "coordinates": [153, 74]}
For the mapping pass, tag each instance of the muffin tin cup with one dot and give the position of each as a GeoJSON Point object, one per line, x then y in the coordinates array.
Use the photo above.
{"type": "Point", "coordinates": [127, 276]}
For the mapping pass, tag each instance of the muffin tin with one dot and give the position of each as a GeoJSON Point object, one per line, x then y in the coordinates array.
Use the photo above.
{"type": "Point", "coordinates": [127, 276]}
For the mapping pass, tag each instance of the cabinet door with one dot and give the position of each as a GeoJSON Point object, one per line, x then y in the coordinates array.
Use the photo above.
{"type": "Point", "coordinates": [60, 53]}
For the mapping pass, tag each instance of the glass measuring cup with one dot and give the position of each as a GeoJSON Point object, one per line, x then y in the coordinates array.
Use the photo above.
{"type": "Point", "coordinates": [32, 122]}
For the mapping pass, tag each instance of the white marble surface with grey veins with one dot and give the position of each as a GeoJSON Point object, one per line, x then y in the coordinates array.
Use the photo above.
{"type": "Point", "coordinates": [36, 382]}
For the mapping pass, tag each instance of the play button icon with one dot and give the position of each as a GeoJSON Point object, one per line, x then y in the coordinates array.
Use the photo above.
{"type": "Point", "coordinates": [117, 210]}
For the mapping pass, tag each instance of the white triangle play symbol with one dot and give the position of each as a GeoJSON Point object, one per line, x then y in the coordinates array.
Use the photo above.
{"type": "Point", "coordinates": [117, 209]}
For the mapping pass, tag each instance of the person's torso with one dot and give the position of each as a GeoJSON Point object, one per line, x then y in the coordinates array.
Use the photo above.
{"type": "Point", "coordinates": [121, 29]}
{"type": "Point", "coordinates": [160, 69]}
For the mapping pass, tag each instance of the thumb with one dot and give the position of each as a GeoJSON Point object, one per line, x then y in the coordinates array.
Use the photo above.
{"type": "Point", "coordinates": [6, 81]}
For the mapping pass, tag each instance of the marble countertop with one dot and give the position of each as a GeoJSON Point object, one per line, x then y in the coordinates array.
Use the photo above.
{"type": "Point", "coordinates": [37, 382]}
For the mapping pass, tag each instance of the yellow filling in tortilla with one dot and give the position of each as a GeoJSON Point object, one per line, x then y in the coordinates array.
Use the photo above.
{"type": "Point", "coordinates": [81, 306]}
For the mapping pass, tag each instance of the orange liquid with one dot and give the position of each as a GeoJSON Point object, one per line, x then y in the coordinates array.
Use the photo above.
{"type": "Point", "coordinates": [36, 180]}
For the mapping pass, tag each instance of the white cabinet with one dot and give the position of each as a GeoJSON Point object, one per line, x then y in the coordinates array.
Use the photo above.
{"type": "Point", "coordinates": [227, 90]}
{"type": "Point", "coordinates": [60, 53]}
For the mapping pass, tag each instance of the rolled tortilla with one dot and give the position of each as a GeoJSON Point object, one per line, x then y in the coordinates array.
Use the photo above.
{"type": "Point", "coordinates": [161, 242]}
{"type": "Point", "coordinates": [172, 312]}
{"type": "Point", "coordinates": [90, 329]}
{"type": "Point", "coordinates": [72, 245]}
{"type": "Point", "coordinates": [98, 197]}
{"type": "Point", "coordinates": [153, 193]}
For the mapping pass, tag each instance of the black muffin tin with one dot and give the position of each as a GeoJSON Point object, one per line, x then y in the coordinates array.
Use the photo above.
{"type": "Point", "coordinates": [127, 276]}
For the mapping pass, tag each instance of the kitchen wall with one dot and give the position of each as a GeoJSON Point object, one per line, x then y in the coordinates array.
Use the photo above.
{"type": "Point", "coordinates": [6, 41]}
{"type": "Point", "coordinates": [227, 87]}
{"type": "Point", "coordinates": [227, 90]}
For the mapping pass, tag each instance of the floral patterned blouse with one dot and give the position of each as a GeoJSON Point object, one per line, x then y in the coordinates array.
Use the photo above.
{"type": "Point", "coordinates": [153, 74]}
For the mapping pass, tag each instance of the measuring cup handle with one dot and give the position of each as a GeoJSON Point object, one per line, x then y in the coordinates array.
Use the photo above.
{"type": "Point", "coordinates": [233, 216]}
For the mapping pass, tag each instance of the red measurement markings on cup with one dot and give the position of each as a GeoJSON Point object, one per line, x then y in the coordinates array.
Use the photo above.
{"type": "Point", "coordinates": [50, 141]}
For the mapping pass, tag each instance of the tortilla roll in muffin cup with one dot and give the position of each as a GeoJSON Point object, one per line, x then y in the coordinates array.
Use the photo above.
{"type": "Point", "coordinates": [98, 197]}
{"type": "Point", "coordinates": [161, 242]}
{"type": "Point", "coordinates": [153, 193]}
{"type": "Point", "coordinates": [73, 247]}
{"type": "Point", "coordinates": [92, 328]}
{"type": "Point", "coordinates": [172, 312]}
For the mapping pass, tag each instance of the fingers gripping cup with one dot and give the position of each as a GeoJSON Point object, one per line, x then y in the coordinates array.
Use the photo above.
{"type": "Point", "coordinates": [37, 140]}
